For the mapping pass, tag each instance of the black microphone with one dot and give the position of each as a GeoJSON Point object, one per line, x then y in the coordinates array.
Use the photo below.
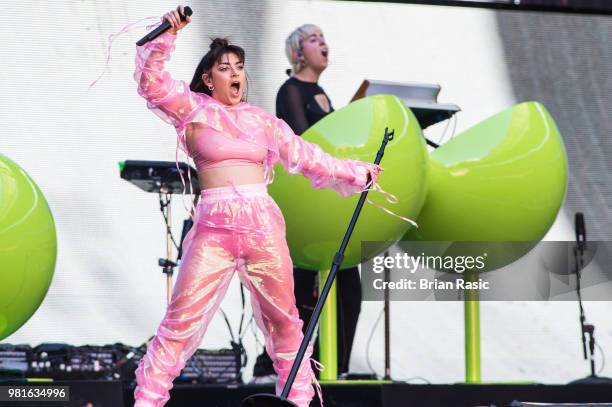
{"type": "Point", "coordinates": [580, 231]}
{"type": "Point", "coordinates": [162, 28]}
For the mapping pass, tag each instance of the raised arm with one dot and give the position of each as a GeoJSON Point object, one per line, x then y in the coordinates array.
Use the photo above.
{"type": "Point", "coordinates": [297, 155]}
{"type": "Point", "coordinates": [171, 100]}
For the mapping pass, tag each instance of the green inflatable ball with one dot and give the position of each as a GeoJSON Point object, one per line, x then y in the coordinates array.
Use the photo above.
{"type": "Point", "coordinates": [28, 247]}
{"type": "Point", "coordinates": [317, 219]}
{"type": "Point", "coordinates": [502, 180]}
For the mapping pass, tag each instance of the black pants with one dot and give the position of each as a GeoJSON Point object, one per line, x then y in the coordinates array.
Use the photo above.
{"type": "Point", "coordinates": [349, 306]}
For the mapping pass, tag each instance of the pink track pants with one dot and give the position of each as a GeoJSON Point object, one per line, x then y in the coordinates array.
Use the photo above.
{"type": "Point", "coordinates": [238, 228]}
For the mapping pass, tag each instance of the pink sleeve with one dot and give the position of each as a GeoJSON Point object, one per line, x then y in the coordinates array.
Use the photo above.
{"type": "Point", "coordinates": [344, 176]}
{"type": "Point", "coordinates": [171, 100]}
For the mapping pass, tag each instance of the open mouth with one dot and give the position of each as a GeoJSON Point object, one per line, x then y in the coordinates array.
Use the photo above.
{"type": "Point", "coordinates": [235, 88]}
{"type": "Point", "coordinates": [324, 53]}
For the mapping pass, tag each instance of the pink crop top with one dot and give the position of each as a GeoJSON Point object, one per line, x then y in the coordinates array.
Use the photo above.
{"type": "Point", "coordinates": [211, 149]}
{"type": "Point", "coordinates": [241, 134]}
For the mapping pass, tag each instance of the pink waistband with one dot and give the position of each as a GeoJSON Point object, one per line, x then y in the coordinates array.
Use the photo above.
{"type": "Point", "coordinates": [230, 192]}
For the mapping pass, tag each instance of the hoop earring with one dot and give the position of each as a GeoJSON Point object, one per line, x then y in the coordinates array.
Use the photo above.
{"type": "Point", "coordinates": [211, 87]}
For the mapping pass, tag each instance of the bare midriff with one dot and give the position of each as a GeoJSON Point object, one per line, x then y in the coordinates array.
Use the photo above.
{"type": "Point", "coordinates": [236, 174]}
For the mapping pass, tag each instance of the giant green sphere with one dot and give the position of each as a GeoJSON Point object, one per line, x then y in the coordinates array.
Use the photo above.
{"type": "Point", "coordinates": [317, 219]}
{"type": "Point", "coordinates": [502, 180]}
{"type": "Point", "coordinates": [28, 247]}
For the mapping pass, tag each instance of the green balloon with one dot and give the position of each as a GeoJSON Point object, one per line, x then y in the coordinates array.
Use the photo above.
{"type": "Point", "coordinates": [28, 247]}
{"type": "Point", "coordinates": [502, 180]}
{"type": "Point", "coordinates": [317, 219]}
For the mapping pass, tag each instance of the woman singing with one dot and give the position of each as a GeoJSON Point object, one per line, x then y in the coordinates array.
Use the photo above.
{"type": "Point", "coordinates": [301, 102]}
{"type": "Point", "coordinates": [237, 225]}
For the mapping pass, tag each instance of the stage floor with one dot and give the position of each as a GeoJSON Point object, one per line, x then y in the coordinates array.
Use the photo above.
{"type": "Point", "coordinates": [402, 394]}
{"type": "Point", "coordinates": [115, 394]}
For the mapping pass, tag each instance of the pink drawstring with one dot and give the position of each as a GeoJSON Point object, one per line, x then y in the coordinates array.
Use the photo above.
{"type": "Point", "coordinates": [242, 197]}
{"type": "Point", "coordinates": [111, 37]}
{"type": "Point", "coordinates": [180, 145]}
{"type": "Point", "coordinates": [319, 366]}
{"type": "Point", "coordinates": [269, 170]}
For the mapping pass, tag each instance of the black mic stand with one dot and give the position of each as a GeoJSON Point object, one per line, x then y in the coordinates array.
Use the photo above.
{"type": "Point", "coordinates": [165, 206]}
{"type": "Point", "coordinates": [387, 311]}
{"type": "Point", "coordinates": [271, 400]}
{"type": "Point", "coordinates": [167, 264]}
{"type": "Point", "coordinates": [586, 329]}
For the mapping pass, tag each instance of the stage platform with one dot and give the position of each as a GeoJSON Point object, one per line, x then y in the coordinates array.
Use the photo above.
{"type": "Point", "coordinates": [398, 394]}
{"type": "Point", "coordinates": [394, 394]}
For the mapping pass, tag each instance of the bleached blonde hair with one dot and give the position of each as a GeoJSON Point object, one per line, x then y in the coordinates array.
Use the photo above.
{"type": "Point", "coordinates": [295, 44]}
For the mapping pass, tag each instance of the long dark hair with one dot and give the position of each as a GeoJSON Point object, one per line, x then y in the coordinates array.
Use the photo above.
{"type": "Point", "coordinates": [218, 48]}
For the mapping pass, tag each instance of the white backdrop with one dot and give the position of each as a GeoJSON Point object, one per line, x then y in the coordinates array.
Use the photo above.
{"type": "Point", "coordinates": [69, 138]}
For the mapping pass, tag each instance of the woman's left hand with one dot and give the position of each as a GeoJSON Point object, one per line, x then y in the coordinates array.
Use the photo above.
{"type": "Point", "coordinates": [375, 171]}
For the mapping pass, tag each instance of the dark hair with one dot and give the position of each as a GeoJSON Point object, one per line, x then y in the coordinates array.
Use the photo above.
{"type": "Point", "coordinates": [218, 48]}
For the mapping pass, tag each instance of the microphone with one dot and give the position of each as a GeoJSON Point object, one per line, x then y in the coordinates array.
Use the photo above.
{"type": "Point", "coordinates": [580, 231]}
{"type": "Point", "coordinates": [162, 28]}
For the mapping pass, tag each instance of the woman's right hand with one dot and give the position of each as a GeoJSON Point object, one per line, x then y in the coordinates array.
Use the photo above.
{"type": "Point", "coordinates": [174, 18]}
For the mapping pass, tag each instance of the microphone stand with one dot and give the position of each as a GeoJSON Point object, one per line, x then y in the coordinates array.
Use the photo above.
{"type": "Point", "coordinates": [387, 311]}
{"type": "Point", "coordinates": [167, 264]}
{"type": "Point", "coordinates": [586, 330]}
{"type": "Point", "coordinates": [270, 400]}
